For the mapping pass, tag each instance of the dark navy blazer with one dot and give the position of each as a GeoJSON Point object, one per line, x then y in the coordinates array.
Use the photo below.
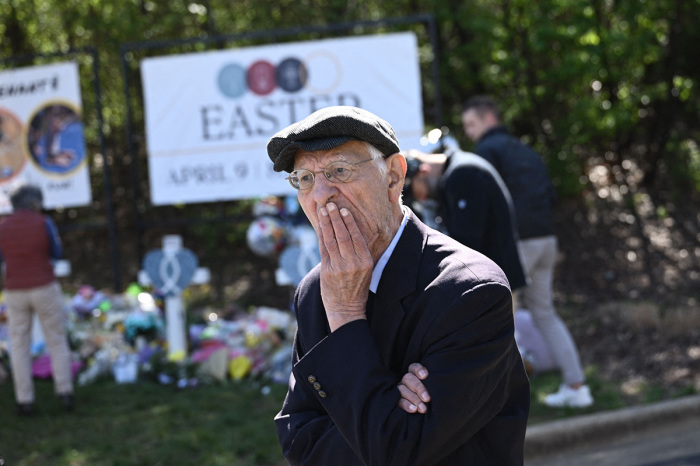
{"type": "Point", "coordinates": [438, 303]}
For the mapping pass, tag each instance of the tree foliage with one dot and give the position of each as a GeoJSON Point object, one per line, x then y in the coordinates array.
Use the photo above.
{"type": "Point", "coordinates": [595, 83]}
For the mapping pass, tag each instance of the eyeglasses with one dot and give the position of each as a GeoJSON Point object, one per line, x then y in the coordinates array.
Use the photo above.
{"type": "Point", "coordinates": [336, 172]}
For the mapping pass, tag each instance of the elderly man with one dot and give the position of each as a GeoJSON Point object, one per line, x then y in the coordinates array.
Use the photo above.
{"type": "Point", "coordinates": [404, 352]}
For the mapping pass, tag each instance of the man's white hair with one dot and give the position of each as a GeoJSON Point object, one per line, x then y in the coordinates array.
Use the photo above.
{"type": "Point", "coordinates": [377, 159]}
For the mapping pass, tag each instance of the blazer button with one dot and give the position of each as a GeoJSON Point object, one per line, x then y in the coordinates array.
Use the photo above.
{"type": "Point", "coordinates": [311, 379]}
{"type": "Point", "coordinates": [317, 386]}
{"type": "Point", "coordinates": [322, 394]}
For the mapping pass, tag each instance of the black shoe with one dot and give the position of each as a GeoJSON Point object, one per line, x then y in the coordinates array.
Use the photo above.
{"type": "Point", "coordinates": [67, 401]}
{"type": "Point", "coordinates": [25, 409]}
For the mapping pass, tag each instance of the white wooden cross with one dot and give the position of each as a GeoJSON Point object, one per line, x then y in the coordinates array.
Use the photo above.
{"type": "Point", "coordinates": [171, 270]}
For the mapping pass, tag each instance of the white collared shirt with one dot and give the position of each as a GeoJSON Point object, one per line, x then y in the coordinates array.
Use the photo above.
{"type": "Point", "coordinates": [381, 263]}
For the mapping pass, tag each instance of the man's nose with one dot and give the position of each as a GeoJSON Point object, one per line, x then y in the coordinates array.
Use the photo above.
{"type": "Point", "coordinates": [323, 190]}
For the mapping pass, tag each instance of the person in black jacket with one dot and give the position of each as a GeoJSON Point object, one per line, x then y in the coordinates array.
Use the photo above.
{"type": "Point", "coordinates": [534, 196]}
{"type": "Point", "coordinates": [474, 205]}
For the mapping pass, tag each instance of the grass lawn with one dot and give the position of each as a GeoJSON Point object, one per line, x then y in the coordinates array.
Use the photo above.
{"type": "Point", "coordinates": [144, 424]}
{"type": "Point", "coordinates": [218, 424]}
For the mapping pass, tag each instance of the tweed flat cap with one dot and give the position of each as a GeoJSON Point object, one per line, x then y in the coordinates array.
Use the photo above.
{"type": "Point", "coordinates": [328, 128]}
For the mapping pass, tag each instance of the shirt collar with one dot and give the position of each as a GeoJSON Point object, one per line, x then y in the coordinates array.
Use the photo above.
{"type": "Point", "coordinates": [381, 263]}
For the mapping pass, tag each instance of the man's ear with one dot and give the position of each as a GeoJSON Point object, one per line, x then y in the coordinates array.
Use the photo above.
{"type": "Point", "coordinates": [396, 163]}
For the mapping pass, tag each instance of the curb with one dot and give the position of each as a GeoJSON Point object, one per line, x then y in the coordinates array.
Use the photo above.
{"type": "Point", "coordinates": [566, 434]}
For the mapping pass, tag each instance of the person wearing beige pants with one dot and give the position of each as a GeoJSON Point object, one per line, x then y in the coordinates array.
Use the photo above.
{"type": "Point", "coordinates": [29, 241]}
{"type": "Point", "coordinates": [539, 258]}
{"type": "Point", "coordinates": [46, 302]}
{"type": "Point", "coordinates": [525, 174]}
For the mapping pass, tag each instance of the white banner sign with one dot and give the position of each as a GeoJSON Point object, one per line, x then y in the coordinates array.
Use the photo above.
{"type": "Point", "coordinates": [41, 135]}
{"type": "Point", "coordinates": [210, 115]}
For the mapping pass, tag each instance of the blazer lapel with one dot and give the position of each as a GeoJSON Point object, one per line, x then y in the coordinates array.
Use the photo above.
{"type": "Point", "coordinates": [398, 281]}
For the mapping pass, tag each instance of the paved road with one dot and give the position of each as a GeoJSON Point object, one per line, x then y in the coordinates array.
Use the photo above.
{"type": "Point", "coordinates": [670, 444]}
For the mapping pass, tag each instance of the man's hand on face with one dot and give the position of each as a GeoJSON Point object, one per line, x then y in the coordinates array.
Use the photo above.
{"type": "Point", "coordinates": [414, 395]}
{"type": "Point", "coordinates": [346, 266]}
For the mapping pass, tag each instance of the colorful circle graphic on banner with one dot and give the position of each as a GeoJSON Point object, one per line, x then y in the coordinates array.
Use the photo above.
{"type": "Point", "coordinates": [261, 77]}
{"type": "Point", "coordinates": [55, 139]}
{"type": "Point", "coordinates": [232, 81]}
{"type": "Point", "coordinates": [291, 75]}
{"type": "Point", "coordinates": [12, 157]}
{"type": "Point", "coordinates": [328, 71]}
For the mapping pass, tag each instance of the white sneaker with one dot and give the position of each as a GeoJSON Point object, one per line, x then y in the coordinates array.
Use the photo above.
{"type": "Point", "coordinates": [571, 397]}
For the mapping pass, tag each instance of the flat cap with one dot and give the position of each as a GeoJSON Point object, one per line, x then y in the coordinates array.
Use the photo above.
{"type": "Point", "coordinates": [328, 128]}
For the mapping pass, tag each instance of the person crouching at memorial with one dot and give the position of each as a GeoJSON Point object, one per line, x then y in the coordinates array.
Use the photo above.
{"type": "Point", "coordinates": [474, 205]}
{"type": "Point", "coordinates": [404, 353]}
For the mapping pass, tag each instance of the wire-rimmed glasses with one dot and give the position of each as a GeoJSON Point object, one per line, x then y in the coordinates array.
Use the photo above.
{"type": "Point", "coordinates": [335, 172]}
